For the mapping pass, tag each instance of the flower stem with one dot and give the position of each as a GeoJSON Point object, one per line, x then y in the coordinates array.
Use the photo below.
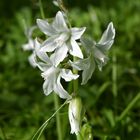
{"type": "Point", "coordinates": [79, 136]}
{"type": "Point", "coordinates": [58, 121]}
{"type": "Point", "coordinates": [75, 86]}
{"type": "Point", "coordinates": [75, 92]}
{"type": "Point", "coordinates": [75, 82]}
{"type": "Point", "coordinates": [41, 9]}
{"type": "Point", "coordinates": [62, 6]}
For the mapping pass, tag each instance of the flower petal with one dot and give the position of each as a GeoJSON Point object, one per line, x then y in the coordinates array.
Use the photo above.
{"type": "Point", "coordinates": [41, 54]}
{"type": "Point", "coordinates": [50, 73]}
{"type": "Point", "coordinates": [106, 46]}
{"type": "Point", "coordinates": [80, 64]}
{"type": "Point", "coordinates": [29, 31]}
{"type": "Point", "coordinates": [28, 46]}
{"type": "Point", "coordinates": [45, 27]}
{"type": "Point", "coordinates": [50, 44]}
{"type": "Point", "coordinates": [60, 90]}
{"type": "Point", "coordinates": [88, 71]}
{"type": "Point", "coordinates": [87, 65]}
{"type": "Point", "coordinates": [48, 86]}
{"type": "Point", "coordinates": [102, 62]}
{"type": "Point", "coordinates": [87, 44]}
{"type": "Point", "coordinates": [54, 42]}
{"type": "Point", "coordinates": [59, 23]}
{"type": "Point", "coordinates": [50, 78]}
{"type": "Point", "coordinates": [32, 60]}
{"type": "Point", "coordinates": [34, 63]}
{"type": "Point", "coordinates": [107, 38]}
{"type": "Point", "coordinates": [68, 75]}
{"type": "Point", "coordinates": [77, 32]}
{"type": "Point", "coordinates": [100, 55]}
{"type": "Point", "coordinates": [74, 49]}
{"type": "Point", "coordinates": [59, 55]}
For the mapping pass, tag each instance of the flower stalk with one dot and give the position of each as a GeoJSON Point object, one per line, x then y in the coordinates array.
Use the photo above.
{"type": "Point", "coordinates": [41, 9]}
{"type": "Point", "coordinates": [55, 52]}
{"type": "Point", "coordinates": [58, 119]}
{"type": "Point", "coordinates": [75, 82]}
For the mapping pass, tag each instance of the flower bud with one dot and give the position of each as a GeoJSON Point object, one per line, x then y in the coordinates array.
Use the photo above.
{"type": "Point", "coordinates": [86, 132]}
{"type": "Point", "coordinates": [75, 114]}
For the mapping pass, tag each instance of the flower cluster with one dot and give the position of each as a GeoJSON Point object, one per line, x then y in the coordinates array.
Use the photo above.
{"type": "Point", "coordinates": [49, 55]}
{"type": "Point", "coordinates": [53, 57]}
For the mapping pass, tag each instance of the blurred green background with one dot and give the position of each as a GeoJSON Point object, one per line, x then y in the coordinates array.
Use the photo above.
{"type": "Point", "coordinates": [24, 107]}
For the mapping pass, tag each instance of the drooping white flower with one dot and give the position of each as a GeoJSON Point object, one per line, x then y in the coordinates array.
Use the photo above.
{"type": "Point", "coordinates": [60, 36]}
{"type": "Point", "coordinates": [75, 114]}
{"type": "Point", "coordinates": [51, 73]}
{"type": "Point", "coordinates": [107, 38]}
{"type": "Point", "coordinates": [96, 53]}
{"type": "Point", "coordinates": [104, 45]}
{"type": "Point", "coordinates": [29, 46]}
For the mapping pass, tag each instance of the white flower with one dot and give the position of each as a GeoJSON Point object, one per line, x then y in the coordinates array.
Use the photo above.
{"type": "Point", "coordinates": [104, 45]}
{"type": "Point", "coordinates": [61, 38]}
{"type": "Point", "coordinates": [32, 60]}
{"type": "Point", "coordinates": [29, 46]}
{"type": "Point", "coordinates": [75, 114]}
{"type": "Point", "coordinates": [107, 38]}
{"type": "Point", "coordinates": [96, 53]}
{"type": "Point", "coordinates": [52, 74]}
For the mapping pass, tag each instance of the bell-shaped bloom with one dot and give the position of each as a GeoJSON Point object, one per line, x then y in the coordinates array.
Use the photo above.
{"type": "Point", "coordinates": [60, 37]}
{"type": "Point", "coordinates": [75, 114]}
{"type": "Point", "coordinates": [51, 73]}
{"type": "Point", "coordinates": [96, 53]}
{"type": "Point", "coordinates": [29, 46]}
{"type": "Point", "coordinates": [103, 46]}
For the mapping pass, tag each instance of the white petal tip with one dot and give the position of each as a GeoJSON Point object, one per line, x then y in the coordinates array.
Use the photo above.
{"type": "Point", "coordinates": [38, 20]}
{"type": "Point", "coordinates": [112, 27]}
{"type": "Point", "coordinates": [84, 28]}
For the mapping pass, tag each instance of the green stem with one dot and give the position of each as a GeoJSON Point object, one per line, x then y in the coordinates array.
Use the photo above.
{"type": "Point", "coordinates": [41, 9]}
{"type": "Point", "coordinates": [75, 86]}
{"type": "Point", "coordinates": [62, 6]}
{"type": "Point", "coordinates": [58, 121]}
{"type": "Point", "coordinates": [75, 82]}
{"type": "Point", "coordinates": [79, 136]}
{"type": "Point", "coordinates": [75, 90]}
{"type": "Point", "coordinates": [130, 105]}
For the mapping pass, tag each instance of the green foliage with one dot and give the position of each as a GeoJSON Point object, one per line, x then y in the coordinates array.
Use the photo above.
{"type": "Point", "coordinates": [24, 107]}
